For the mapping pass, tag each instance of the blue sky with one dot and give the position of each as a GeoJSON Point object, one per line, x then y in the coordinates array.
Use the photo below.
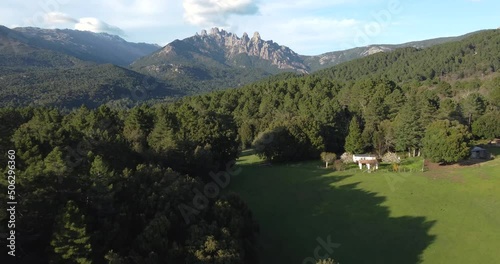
{"type": "Point", "coordinates": [309, 27]}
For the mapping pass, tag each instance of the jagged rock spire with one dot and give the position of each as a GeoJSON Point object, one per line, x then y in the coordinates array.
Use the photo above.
{"type": "Point", "coordinates": [256, 36]}
{"type": "Point", "coordinates": [214, 31]}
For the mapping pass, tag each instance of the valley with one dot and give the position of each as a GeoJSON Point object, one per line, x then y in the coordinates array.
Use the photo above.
{"type": "Point", "coordinates": [225, 149]}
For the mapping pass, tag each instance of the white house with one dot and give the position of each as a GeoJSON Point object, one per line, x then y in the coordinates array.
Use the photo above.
{"type": "Point", "coordinates": [358, 157]}
{"type": "Point", "coordinates": [367, 159]}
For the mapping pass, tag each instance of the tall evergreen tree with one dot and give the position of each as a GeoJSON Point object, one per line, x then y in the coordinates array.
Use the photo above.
{"type": "Point", "coordinates": [137, 127]}
{"type": "Point", "coordinates": [408, 128]}
{"type": "Point", "coordinates": [354, 142]}
{"type": "Point", "coordinates": [70, 241]}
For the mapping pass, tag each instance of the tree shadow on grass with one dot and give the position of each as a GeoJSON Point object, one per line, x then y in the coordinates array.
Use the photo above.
{"type": "Point", "coordinates": [365, 230]}
{"type": "Point", "coordinates": [297, 208]}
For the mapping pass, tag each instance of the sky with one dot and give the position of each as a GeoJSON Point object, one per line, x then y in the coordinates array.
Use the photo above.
{"type": "Point", "coordinates": [309, 27]}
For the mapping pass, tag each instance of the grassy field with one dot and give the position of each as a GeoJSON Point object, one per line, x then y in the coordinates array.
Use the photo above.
{"type": "Point", "coordinates": [444, 215]}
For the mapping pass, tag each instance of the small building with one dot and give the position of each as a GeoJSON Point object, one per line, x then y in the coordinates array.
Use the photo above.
{"type": "Point", "coordinates": [358, 157]}
{"type": "Point", "coordinates": [479, 153]}
{"type": "Point", "coordinates": [366, 159]}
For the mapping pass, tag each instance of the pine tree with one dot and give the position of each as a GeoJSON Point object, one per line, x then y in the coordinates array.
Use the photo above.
{"type": "Point", "coordinates": [70, 241]}
{"type": "Point", "coordinates": [353, 142]}
{"type": "Point", "coordinates": [138, 125]}
{"type": "Point", "coordinates": [408, 128]}
{"type": "Point", "coordinates": [55, 164]}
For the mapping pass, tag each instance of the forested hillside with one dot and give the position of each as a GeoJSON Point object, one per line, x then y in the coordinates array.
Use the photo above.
{"type": "Point", "coordinates": [91, 86]}
{"type": "Point", "coordinates": [84, 45]}
{"type": "Point", "coordinates": [391, 97]}
{"type": "Point", "coordinates": [330, 59]}
{"type": "Point", "coordinates": [307, 115]}
{"type": "Point", "coordinates": [476, 55]}
{"type": "Point", "coordinates": [39, 72]}
{"type": "Point", "coordinates": [17, 54]}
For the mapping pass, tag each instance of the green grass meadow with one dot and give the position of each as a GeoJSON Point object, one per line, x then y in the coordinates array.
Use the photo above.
{"type": "Point", "coordinates": [443, 215]}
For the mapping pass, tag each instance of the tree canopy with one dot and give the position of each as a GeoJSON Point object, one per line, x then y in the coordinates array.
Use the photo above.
{"type": "Point", "coordinates": [446, 141]}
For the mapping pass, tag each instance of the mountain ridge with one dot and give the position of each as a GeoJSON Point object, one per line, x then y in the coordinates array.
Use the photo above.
{"type": "Point", "coordinates": [329, 59]}
{"type": "Point", "coordinates": [86, 45]}
{"type": "Point", "coordinates": [217, 59]}
{"type": "Point", "coordinates": [223, 49]}
{"type": "Point", "coordinates": [205, 62]}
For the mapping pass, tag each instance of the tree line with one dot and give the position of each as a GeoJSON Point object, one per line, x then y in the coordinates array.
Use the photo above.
{"type": "Point", "coordinates": [300, 117]}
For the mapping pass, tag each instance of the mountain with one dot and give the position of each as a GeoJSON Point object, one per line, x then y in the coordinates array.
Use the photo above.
{"type": "Point", "coordinates": [60, 68]}
{"type": "Point", "coordinates": [85, 45]}
{"type": "Point", "coordinates": [477, 55]}
{"type": "Point", "coordinates": [17, 53]}
{"type": "Point", "coordinates": [64, 67]}
{"type": "Point", "coordinates": [329, 59]}
{"type": "Point", "coordinates": [220, 59]}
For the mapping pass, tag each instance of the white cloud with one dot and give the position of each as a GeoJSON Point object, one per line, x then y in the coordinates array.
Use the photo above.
{"type": "Point", "coordinates": [271, 7]}
{"type": "Point", "coordinates": [95, 25]}
{"type": "Point", "coordinates": [136, 16]}
{"type": "Point", "coordinates": [85, 24]}
{"type": "Point", "coordinates": [59, 18]}
{"type": "Point", "coordinates": [216, 12]}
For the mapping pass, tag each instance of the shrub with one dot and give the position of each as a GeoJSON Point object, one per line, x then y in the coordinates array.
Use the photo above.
{"type": "Point", "coordinates": [347, 158]}
{"type": "Point", "coordinates": [391, 157]}
{"type": "Point", "coordinates": [339, 165]}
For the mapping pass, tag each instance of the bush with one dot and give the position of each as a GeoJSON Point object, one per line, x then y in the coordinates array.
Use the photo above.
{"type": "Point", "coordinates": [347, 158]}
{"type": "Point", "coordinates": [339, 165]}
{"type": "Point", "coordinates": [391, 157]}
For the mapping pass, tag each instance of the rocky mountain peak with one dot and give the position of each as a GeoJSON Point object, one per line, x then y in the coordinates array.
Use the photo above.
{"type": "Point", "coordinates": [214, 31]}
{"type": "Point", "coordinates": [229, 49]}
{"type": "Point", "coordinates": [256, 37]}
{"type": "Point", "coordinates": [85, 45]}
